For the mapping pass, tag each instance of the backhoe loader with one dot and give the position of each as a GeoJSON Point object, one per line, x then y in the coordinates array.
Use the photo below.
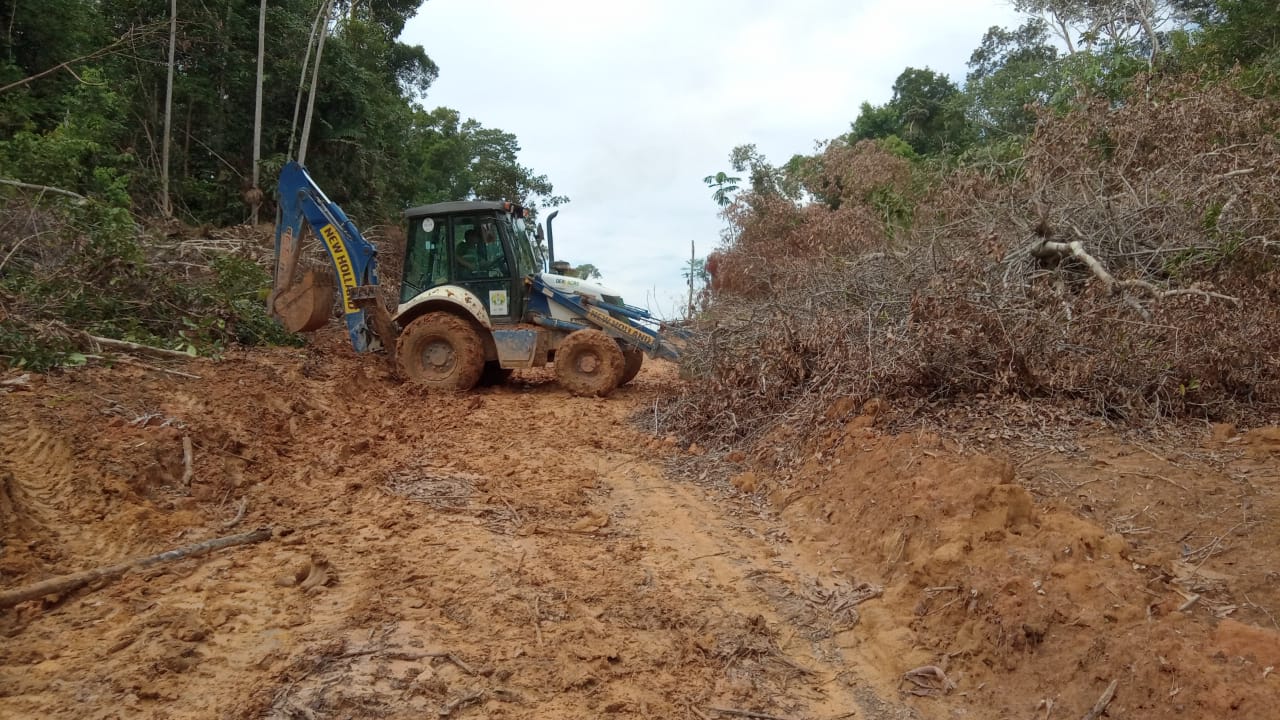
{"type": "Point", "coordinates": [476, 300]}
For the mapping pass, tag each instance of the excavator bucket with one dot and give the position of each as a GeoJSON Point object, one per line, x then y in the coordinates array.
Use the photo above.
{"type": "Point", "coordinates": [308, 304]}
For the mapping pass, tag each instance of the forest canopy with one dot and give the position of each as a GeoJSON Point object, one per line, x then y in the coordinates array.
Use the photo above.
{"type": "Point", "coordinates": [83, 97]}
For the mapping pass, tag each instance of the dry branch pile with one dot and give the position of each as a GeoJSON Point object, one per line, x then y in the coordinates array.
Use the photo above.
{"type": "Point", "coordinates": [70, 271]}
{"type": "Point", "coordinates": [1128, 264]}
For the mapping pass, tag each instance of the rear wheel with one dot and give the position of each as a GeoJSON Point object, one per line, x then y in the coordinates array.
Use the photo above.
{"type": "Point", "coordinates": [589, 362]}
{"type": "Point", "coordinates": [442, 352]}
{"type": "Point", "coordinates": [633, 358]}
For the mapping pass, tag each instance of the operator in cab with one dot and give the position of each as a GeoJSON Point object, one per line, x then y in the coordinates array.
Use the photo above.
{"type": "Point", "coordinates": [480, 253]}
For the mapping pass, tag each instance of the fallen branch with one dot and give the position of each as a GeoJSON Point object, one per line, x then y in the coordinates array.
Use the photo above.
{"type": "Point", "coordinates": [1161, 294]}
{"type": "Point", "coordinates": [745, 713]}
{"type": "Point", "coordinates": [67, 583]}
{"type": "Point", "coordinates": [1075, 248]}
{"type": "Point", "coordinates": [451, 657]}
{"type": "Point", "coordinates": [928, 680]}
{"type": "Point", "coordinates": [244, 504]}
{"type": "Point", "coordinates": [138, 363]}
{"type": "Point", "coordinates": [135, 347]}
{"type": "Point", "coordinates": [1049, 248]}
{"type": "Point", "coordinates": [43, 189]}
{"type": "Point", "coordinates": [187, 457]}
{"type": "Point", "coordinates": [1103, 701]}
{"type": "Point", "coordinates": [450, 708]}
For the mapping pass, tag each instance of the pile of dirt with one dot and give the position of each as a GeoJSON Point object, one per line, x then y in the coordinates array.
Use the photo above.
{"type": "Point", "coordinates": [1035, 585]}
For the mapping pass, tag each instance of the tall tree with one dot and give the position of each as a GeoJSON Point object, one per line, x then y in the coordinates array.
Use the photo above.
{"type": "Point", "coordinates": [165, 205]}
{"type": "Point", "coordinates": [587, 271]}
{"type": "Point", "coordinates": [326, 8]}
{"type": "Point", "coordinates": [257, 112]}
{"type": "Point", "coordinates": [1108, 25]}
{"type": "Point", "coordinates": [927, 110]}
{"type": "Point", "coordinates": [1010, 70]}
{"type": "Point", "coordinates": [724, 185]}
{"type": "Point", "coordinates": [369, 143]}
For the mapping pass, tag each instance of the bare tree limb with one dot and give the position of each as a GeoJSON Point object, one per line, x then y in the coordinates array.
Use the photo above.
{"type": "Point", "coordinates": [134, 347]}
{"type": "Point", "coordinates": [129, 36]}
{"type": "Point", "coordinates": [67, 583]}
{"type": "Point", "coordinates": [43, 189]}
{"type": "Point", "coordinates": [1075, 248]}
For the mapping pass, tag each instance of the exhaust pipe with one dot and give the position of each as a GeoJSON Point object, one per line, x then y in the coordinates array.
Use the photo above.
{"type": "Point", "coordinates": [551, 243]}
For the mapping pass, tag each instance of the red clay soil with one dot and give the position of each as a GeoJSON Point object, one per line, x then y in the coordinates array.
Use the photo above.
{"type": "Point", "coordinates": [518, 552]}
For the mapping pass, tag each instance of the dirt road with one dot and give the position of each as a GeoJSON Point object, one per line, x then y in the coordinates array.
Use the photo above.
{"type": "Point", "coordinates": [520, 553]}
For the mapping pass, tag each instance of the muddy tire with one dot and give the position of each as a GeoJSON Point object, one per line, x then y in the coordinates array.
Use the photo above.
{"type": "Point", "coordinates": [633, 358]}
{"type": "Point", "coordinates": [441, 352]}
{"type": "Point", "coordinates": [494, 374]}
{"type": "Point", "coordinates": [589, 362]}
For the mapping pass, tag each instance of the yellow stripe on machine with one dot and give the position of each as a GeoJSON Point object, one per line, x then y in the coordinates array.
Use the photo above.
{"type": "Point", "coordinates": [341, 260]}
{"type": "Point", "coordinates": [601, 317]}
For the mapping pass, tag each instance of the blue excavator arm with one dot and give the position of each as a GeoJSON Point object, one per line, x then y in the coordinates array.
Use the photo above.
{"type": "Point", "coordinates": [307, 304]}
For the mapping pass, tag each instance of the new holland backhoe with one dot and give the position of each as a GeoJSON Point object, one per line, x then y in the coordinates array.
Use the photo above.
{"type": "Point", "coordinates": [475, 298]}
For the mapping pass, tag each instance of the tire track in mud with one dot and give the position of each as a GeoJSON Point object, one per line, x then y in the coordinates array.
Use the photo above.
{"type": "Point", "coordinates": [731, 554]}
{"type": "Point", "coordinates": [565, 573]}
{"type": "Point", "coordinates": [49, 501]}
{"type": "Point", "coordinates": [39, 474]}
{"type": "Point", "coordinates": [512, 553]}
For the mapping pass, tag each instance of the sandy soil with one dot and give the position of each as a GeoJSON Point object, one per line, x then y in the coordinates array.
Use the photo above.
{"type": "Point", "coordinates": [520, 553]}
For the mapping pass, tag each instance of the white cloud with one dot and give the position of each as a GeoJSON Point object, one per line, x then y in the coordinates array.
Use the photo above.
{"type": "Point", "coordinates": [627, 106]}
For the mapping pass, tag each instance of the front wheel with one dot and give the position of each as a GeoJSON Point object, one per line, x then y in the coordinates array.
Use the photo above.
{"type": "Point", "coordinates": [589, 362]}
{"type": "Point", "coordinates": [442, 352]}
{"type": "Point", "coordinates": [633, 358]}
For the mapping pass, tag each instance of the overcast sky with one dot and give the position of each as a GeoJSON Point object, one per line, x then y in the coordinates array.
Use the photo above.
{"type": "Point", "coordinates": [626, 107]}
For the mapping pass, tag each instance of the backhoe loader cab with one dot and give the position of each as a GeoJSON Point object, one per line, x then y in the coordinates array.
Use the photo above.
{"type": "Point", "coordinates": [480, 246]}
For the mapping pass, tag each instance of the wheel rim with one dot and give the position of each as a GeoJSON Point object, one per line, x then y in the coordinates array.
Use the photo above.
{"type": "Point", "coordinates": [588, 363]}
{"type": "Point", "coordinates": [438, 357]}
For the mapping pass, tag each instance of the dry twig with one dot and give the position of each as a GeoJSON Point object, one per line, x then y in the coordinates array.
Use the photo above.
{"type": "Point", "coordinates": [1103, 701]}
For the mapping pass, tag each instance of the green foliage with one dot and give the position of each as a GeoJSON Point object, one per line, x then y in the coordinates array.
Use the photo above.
{"type": "Point", "coordinates": [97, 273]}
{"type": "Point", "coordinates": [587, 271]}
{"type": "Point", "coordinates": [1243, 33]}
{"type": "Point", "coordinates": [765, 179]}
{"type": "Point", "coordinates": [22, 348]}
{"type": "Point", "coordinates": [98, 131]}
{"type": "Point", "coordinates": [875, 121]}
{"type": "Point", "coordinates": [455, 159]}
{"type": "Point", "coordinates": [81, 152]}
{"type": "Point", "coordinates": [899, 147]}
{"type": "Point", "coordinates": [725, 185]}
{"type": "Point", "coordinates": [238, 294]}
{"type": "Point", "coordinates": [695, 271]}
{"type": "Point", "coordinates": [94, 128]}
{"type": "Point", "coordinates": [927, 112]}
{"type": "Point", "coordinates": [894, 209]}
{"type": "Point", "coordinates": [1009, 71]}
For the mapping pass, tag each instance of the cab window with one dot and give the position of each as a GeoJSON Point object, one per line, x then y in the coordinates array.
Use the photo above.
{"type": "Point", "coordinates": [525, 262]}
{"type": "Point", "coordinates": [477, 249]}
{"type": "Point", "coordinates": [426, 262]}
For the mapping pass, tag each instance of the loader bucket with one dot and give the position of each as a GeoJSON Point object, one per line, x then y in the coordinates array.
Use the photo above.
{"type": "Point", "coordinates": [308, 304]}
